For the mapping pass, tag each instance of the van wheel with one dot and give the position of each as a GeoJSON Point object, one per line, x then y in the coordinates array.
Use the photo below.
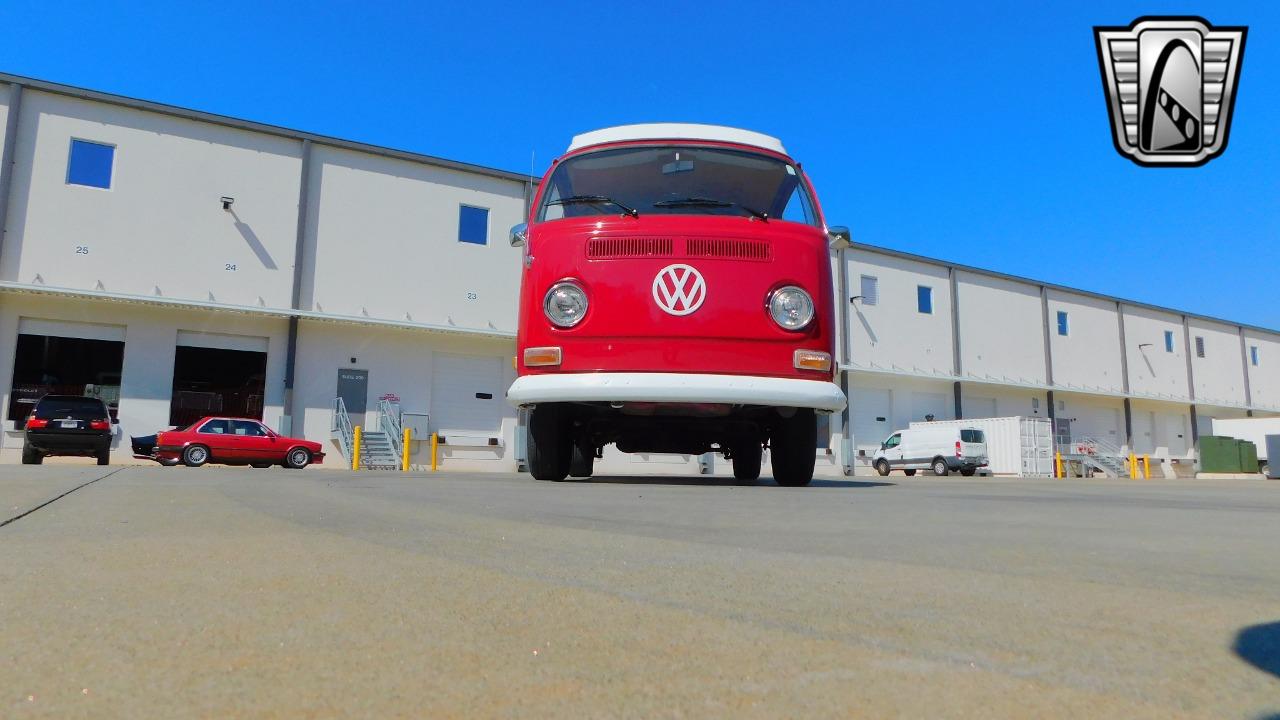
{"type": "Point", "coordinates": [794, 444]}
{"type": "Point", "coordinates": [909, 473]}
{"type": "Point", "coordinates": [195, 455]}
{"type": "Point", "coordinates": [31, 456]}
{"type": "Point", "coordinates": [968, 472]}
{"type": "Point", "coordinates": [882, 467]}
{"type": "Point", "coordinates": [550, 447]}
{"type": "Point", "coordinates": [746, 460]}
{"type": "Point", "coordinates": [582, 463]}
{"type": "Point", "coordinates": [940, 467]}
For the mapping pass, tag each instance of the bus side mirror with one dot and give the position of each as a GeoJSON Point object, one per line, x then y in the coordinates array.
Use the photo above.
{"type": "Point", "coordinates": [519, 234]}
{"type": "Point", "coordinates": [839, 237]}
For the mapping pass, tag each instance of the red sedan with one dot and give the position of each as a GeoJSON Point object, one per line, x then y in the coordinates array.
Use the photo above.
{"type": "Point", "coordinates": [229, 441]}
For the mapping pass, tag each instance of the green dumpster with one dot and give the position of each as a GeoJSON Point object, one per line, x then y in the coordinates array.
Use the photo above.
{"type": "Point", "coordinates": [1248, 457]}
{"type": "Point", "coordinates": [1220, 454]}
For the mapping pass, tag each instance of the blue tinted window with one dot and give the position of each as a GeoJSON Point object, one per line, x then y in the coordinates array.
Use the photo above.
{"type": "Point", "coordinates": [924, 299]}
{"type": "Point", "coordinates": [1168, 341]}
{"type": "Point", "coordinates": [473, 225]}
{"type": "Point", "coordinates": [90, 164]}
{"type": "Point", "coordinates": [1253, 354]}
{"type": "Point", "coordinates": [1062, 323]}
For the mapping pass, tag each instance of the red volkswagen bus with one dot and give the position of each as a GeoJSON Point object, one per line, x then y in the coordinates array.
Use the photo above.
{"type": "Point", "coordinates": [676, 297]}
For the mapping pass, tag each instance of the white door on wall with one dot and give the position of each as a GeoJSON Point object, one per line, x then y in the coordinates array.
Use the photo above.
{"type": "Point", "coordinates": [872, 419]}
{"type": "Point", "coordinates": [466, 395]}
{"type": "Point", "coordinates": [979, 407]}
{"type": "Point", "coordinates": [1144, 431]}
{"type": "Point", "coordinates": [1176, 436]}
{"type": "Point", "coordinates": [924, 404]}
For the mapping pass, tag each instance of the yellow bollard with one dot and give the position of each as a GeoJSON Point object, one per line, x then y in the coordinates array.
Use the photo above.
{"type": "Point", "coordinates": [1057, 465]}
{"type": "Point", "coordinates": [435, 447]}
{"type": "Point", "coordinates": [404, 461]}
{"type": "Point", "coordinates": [1146, 466]}
{"type": "Point", "coordinates": [355, 449]}
{"type": "Point", "coordinates": [1133, 467]}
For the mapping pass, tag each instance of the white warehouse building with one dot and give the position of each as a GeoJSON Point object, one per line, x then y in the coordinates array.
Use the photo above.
{"type": "Point", "coordinates": [180, 264]}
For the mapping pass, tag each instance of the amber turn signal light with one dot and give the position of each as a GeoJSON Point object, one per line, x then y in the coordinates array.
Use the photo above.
{"type": "Point", "coordinates": [541, 356]}
{"type": "Point", "coordinates": [812, 360]}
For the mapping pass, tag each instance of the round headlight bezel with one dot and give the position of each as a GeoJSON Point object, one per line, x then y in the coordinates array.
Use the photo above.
{"type": "Point", "coordinates": [773, 308]}
{"type": "Point", "coordinates": [560, 321]}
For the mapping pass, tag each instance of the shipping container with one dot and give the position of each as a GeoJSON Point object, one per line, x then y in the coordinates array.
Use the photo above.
{"type": "Point", "coordinates": [1015, 445]}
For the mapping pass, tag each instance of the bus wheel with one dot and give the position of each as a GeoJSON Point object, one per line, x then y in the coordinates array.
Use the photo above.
{"type": "Point", "coordinates": [582, 464]}
{"type": "Point", "coordinates": [746, 460]}
{"type": "Point", "coordinates": [550, 447]}
{"type": "Point", "coordinates": [794, 448]}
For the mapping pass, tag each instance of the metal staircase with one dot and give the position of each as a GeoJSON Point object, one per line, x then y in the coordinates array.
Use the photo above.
{"type": "Point", "coordinates": [380, 448]}
{"type": "Point", "coordinates": [1100, 455]}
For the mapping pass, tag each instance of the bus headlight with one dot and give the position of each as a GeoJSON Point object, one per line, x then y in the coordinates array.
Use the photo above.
{"type": "Point", "coordinates": [565, 304]}
{"type": "Point", "coordinates": [791, 307]}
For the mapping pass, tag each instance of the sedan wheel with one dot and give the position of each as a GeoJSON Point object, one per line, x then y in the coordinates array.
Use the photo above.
{"type": "Point", "coordinates": [298, 458]}
{"type": "Point", "coordinates": [195, 455]}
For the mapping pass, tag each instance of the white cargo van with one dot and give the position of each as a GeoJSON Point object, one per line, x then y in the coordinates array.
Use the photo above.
{"type": "Point", "coordinates": [941, 448]}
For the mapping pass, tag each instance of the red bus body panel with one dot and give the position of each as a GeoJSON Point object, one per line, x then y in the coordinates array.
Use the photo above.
{"type": "Point", "coordinates": [616, 257]}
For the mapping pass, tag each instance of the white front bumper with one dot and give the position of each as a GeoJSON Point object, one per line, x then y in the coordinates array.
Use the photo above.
{"type": "Point", "coordinates": [676, 388]}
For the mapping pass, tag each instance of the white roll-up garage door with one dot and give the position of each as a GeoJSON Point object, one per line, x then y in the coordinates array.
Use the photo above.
{"type": "Point", "coordinates": [221, 341]}
{"type": "Point", "coordinates": [979, 407]}
{"type": "Point", "coordinates": [924, 404]}
{"type": "Point", "coordinates": [62, 328]}
{"type": "Point", "coordinates": [872, 417]}
{"type": "Point", "coordinates": [466, 395]}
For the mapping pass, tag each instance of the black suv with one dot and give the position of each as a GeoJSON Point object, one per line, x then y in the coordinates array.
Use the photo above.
{"type": "Point", "coordinates": [67, 425]}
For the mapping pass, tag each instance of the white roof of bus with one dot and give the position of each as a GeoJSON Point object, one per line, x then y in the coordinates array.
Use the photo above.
{"type": "Point", "coordinates": [676, 131]}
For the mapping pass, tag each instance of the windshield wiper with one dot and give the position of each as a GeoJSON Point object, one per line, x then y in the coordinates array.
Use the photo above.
{"type": "Point", "coordinates": [710, 202]}
{"type": "Point", "coordinates": [593, 200]}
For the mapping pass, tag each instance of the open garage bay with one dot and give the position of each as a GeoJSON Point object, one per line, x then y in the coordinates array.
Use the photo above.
{"type": "Point", "coordinates": [215, 592]}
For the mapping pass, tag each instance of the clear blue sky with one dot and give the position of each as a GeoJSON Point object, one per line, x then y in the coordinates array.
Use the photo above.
{"type": "Point", "coordinates": [976, 134]}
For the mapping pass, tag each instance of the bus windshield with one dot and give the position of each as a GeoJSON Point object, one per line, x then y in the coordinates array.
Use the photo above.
{"type": "Point", "coordinates": [677, 180]}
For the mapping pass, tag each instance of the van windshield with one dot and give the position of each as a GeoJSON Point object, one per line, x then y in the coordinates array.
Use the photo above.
{"type": "Point", "coordinates": [677, 180]}
{"type": "Point", "coordinates": [972, 436]}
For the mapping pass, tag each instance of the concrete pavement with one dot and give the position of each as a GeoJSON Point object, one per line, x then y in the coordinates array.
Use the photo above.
{"type": "Point", "coordinates": [266, 593]}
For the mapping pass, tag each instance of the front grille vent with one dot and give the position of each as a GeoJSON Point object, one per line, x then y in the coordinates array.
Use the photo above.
{"type": "Point", "coordinates": [626, 247]}
{"type": "Point", "coordinates": [732, 249]}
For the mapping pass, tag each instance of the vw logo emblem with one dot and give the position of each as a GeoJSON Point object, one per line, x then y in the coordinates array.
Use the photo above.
{"type": "Point", "coordinates": [679, 289]}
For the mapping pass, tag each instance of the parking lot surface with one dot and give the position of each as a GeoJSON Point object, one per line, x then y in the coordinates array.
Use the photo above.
{"type": "Point", "coordinates": [220, 592]}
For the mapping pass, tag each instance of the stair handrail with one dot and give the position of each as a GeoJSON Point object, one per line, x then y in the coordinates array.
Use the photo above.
{"type": "Point", "coordinates": [342, 428]}
{"type": "Point", "coordinates": [1092, 446]}
{"type": "Point", "coordinates": [389, 423]}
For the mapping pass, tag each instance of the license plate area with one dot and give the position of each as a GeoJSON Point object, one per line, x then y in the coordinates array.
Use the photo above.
{"type": "Point", "coordinates": [72, 424]}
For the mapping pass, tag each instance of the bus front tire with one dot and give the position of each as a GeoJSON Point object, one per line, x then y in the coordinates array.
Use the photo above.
{"type": "Point", "coordinates": [550, 448]}
{"type": "Point", "coordinates": [794, 448]}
